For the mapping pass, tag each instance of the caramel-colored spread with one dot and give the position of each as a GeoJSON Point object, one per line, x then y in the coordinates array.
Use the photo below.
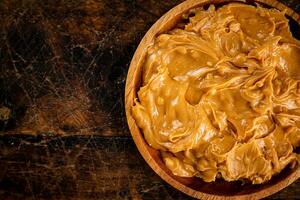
{"type": "Point", "coordinates": [220, 98]}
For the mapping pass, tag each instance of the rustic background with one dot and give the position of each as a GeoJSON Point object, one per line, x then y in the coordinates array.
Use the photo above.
{"type": "Point", "coordinates": [63, 132]}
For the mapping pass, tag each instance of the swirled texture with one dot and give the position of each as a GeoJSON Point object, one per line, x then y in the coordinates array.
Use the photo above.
{"type": "Point", "coordinates": [220, 98]}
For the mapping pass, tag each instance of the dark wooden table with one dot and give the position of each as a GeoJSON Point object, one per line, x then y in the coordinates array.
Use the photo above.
{"type": "Point", "coordinates": [63, 132]}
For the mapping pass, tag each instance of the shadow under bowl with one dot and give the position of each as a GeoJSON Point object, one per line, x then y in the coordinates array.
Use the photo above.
{"type": "Point", "coordinates": [196, 187]}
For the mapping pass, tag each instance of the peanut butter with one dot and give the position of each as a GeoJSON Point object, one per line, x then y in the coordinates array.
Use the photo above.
{"type": "Point", "coordinates": [220, 98]}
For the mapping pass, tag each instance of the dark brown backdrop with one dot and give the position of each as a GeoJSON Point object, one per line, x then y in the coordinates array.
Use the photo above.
{"type": "Point", "coordinates": [63, 132]}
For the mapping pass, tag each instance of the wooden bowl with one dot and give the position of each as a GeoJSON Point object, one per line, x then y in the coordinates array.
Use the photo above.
{"type": "Point", "coordinates": [195, 187]}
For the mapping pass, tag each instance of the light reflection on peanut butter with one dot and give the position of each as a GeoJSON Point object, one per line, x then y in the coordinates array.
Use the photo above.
{"type": "Point", "coordinates": [221, 98]}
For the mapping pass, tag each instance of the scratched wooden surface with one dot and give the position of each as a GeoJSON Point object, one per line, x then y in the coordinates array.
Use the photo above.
{"type": "Point", "coordinates": [63, 132]}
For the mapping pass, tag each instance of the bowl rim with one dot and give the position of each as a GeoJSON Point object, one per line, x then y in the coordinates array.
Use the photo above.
{"type": "Point", "coordinates": [164, 23]}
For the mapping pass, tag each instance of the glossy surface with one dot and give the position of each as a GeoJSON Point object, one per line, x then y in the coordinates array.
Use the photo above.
{"type": "Point", "coordinates": [220, 97]}
{"type": "Point", "coordinates": [90, 42]}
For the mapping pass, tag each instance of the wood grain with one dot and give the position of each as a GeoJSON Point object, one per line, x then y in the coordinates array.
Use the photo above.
{"type": "Point", "coordinates": [194, 187]}
{"type": "Point", "coordinates": [63, 65]}
{"type": "Point", "coordinates": [76, 52]}
{"type": "Point", "coordinates": [84, 167]}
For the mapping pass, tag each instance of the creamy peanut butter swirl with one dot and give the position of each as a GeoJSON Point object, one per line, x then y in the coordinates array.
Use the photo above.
{"type": "Point", "coordinates": [221, 97]}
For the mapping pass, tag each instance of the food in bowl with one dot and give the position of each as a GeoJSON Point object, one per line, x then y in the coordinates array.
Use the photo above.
{"type": "Point", "coordinates": [220, 98]}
